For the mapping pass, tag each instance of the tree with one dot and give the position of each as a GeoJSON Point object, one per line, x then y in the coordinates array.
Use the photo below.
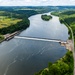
{"type": "Point", "coordinates": [54, 70]}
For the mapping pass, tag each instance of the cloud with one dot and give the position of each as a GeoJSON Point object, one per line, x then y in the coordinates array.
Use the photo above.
{"type": "Point", "coordinates": [44, 0]}
{"type": "Point", "coordinates": [36, 2]}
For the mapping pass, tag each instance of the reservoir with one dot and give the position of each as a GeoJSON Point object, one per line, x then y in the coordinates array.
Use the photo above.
{"type": "Point", "coordinates": [26, 57]}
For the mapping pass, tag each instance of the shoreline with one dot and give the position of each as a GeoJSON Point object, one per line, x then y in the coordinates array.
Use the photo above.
{"type": "Point", "coordinates": [71, 37]}
{"type": "Point", "coordinates": [9, 36]}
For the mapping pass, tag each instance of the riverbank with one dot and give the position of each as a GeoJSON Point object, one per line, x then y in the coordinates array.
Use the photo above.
{"type": "Point", "coordinates": [68, 45]}
{"type": "Point", "coordinates": [62, 66]}
{"type": "Point", "coordinates": [67, 18]}
{"type": "Point", "coordinates": [11, 26]}
{"type": "Point", "coordinates": [8, 37]}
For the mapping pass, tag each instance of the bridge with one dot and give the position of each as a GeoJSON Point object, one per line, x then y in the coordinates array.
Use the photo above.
{"type": "Point", "coordinates": [40, 39]}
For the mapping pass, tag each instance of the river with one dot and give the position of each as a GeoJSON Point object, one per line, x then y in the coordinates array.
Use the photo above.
{"type": "Point", "coordinates": [26, 57]}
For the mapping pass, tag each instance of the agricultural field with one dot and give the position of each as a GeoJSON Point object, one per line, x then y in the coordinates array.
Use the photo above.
{"type": "Point", "coordinates": [5, 21]}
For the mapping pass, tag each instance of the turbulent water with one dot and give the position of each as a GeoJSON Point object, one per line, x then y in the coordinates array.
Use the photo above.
{"type": "Point", "coordinates": [26, 57]}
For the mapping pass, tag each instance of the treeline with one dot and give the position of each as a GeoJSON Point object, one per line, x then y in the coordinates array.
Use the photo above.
{"type": "Point", "coordinates": [68, 12]}
{"type": "Point", "coordinates": [40, 9]}
{"type": "Point", "coordinates": [64, 66]}
{"type": "Point", "coordinates": [26, 13]}
{"type": "Point", "coordinates": [19, 26]}
{"type": "Point", "coordinates": [19, 13]}
{"type": "Point", "coordinates": [57, 13]}
{"type": "Point", "coordinates": [46, 17]}
{"type": "Point", "coordinates": [14, 27]}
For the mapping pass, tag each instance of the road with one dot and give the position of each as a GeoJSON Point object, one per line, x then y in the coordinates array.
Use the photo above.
{"type": "Point", "coordinates": [73, 47]}
{"type": "Point", "coordinates": [73, 43]}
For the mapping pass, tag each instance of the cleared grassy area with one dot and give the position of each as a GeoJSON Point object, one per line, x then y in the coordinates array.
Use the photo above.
{"type": "Point", "coordinates": [5, 21]}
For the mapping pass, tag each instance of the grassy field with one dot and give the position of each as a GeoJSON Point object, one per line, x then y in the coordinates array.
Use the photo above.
{"type": "Point", "coordinates": [5, 21]}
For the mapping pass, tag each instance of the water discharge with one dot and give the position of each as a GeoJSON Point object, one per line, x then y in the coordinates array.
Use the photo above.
{"type": "Point", "coordinates": [39, 39]}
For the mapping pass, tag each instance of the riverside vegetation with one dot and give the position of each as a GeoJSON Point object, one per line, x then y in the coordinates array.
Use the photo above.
{"type": "Point", "coordinates": [10, 22]}
{"type": "Point", "coordinates": [68, 17]}
{"type": "Point", "coordinates": [64, 66]}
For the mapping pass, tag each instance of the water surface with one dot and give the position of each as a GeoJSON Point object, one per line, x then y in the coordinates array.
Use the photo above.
{"type": "Point", "coordinates": [25, 57]}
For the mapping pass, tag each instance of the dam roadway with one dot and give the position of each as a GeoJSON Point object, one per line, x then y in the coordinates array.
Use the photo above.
{"type": "Point", "coordinates": [68, 44]}
{"type": "Point", "coordinates": [40, 39]}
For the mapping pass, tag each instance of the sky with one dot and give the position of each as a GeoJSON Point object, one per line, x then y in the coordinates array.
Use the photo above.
{"type": "Point", "coordinates": [36, 2]}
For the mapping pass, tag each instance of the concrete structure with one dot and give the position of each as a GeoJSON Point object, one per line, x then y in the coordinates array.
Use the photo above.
{"type": "Point", "coordinates": [39, 39]}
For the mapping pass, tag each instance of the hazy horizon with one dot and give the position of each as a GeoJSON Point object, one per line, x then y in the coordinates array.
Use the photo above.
{"type": "Point", "coordinates": [37, 2]}
{"type": "Point", "coordinates": [38, 6]}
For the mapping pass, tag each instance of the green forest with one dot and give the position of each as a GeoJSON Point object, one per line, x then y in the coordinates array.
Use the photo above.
{"type": "Point", "coordinates": [46, 17]}
{"type": "Point", "coordinates": [11, 22]}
